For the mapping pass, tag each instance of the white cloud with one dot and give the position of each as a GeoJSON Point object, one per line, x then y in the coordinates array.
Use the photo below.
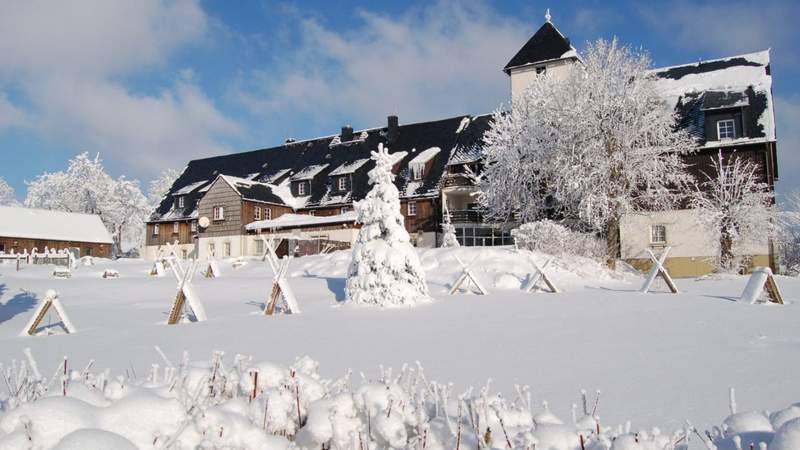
{"type": "Point", "coordinates": [787, 116]}
{"type": "Point", "coordinates": [444, 59]}
{"type": "Point", "coordinates": [69, 62]}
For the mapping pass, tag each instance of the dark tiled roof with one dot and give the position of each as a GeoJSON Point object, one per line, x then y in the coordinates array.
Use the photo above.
{"type": "Point", "coordinates": [299, 155]}
{"type": "Point", "coordinates": [546, 44]}
{"type": "Point", "coordinates": [679, 72]}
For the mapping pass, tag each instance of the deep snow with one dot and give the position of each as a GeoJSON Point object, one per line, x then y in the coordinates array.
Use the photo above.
{"type": "Point", "coordinates": [658, 358]}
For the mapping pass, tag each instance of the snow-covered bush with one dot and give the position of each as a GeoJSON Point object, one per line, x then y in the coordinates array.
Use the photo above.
{"type": "Point", "coordinates": [788, 236]}
{"type": "Point", "coordinates": [385, 269]}
{"type": "Point", "coordinates": [449, 238]}
{"type": "Point", "coordinates": [7, 195]}
{"type": "Point", "coordinates": [550, 237]}
{"type": "Point", "coordinates": [242, 404]}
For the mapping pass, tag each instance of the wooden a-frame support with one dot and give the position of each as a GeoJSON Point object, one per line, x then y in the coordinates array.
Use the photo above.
{"type": "Point", "coordinates": [658, 270]}
{"type": "Point", "coordinates": [467, 277]}
{"type": "Point", "coordinates": [762, 280]}
{"type": "Point", "coordinates": [50, 301]}
{"type": "Point", "coordinates": [538, 275]}
{"type": "Point", "coordinates": [281, 290]}
{"type": "Point", "coordinates": [185, 296]}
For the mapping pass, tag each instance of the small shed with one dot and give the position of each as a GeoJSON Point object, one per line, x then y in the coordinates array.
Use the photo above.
{"type": "Point", "coordinates": [25, 229]}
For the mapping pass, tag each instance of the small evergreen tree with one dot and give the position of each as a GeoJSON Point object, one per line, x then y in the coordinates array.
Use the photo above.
{"type": "Point", "coordinates": [449, 231]}
{"type": "Point", "coordinates": [385, 269]}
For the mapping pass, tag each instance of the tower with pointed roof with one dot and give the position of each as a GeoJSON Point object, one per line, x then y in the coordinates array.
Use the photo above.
{"type": "Point", "coordinates": [547, 51]}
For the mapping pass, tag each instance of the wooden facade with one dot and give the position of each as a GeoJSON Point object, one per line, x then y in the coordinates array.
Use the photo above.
{"type": "Point", "coordinates": [20, 245]}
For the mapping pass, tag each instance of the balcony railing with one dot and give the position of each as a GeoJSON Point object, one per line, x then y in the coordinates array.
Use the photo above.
{"type": "Point", "coordinates": [465, 216]}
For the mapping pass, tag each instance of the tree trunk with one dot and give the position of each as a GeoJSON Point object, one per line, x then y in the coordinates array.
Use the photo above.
{"type": "Point", "coordinates": [726, 250]}
{"type": "Point", "coordinates": [612, 242]}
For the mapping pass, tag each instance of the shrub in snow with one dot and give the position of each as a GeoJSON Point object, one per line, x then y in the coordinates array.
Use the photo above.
{"type": "Point", "coordinates": [449, 238]}
{"type": "Point", "coordinates": [385, 268]}
{"type": "Point", "coordinates": [551, 237]}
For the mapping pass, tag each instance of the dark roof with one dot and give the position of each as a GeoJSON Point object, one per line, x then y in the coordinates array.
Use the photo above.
{"type": "Point", "coordinates": [679, 72]}
{"type": "Point", "coordinates": [725, 99]}
{"type": "Point", "coordinates": [251, 190]}
{"type": "Point", "coordinates": [546, 44]}
{"type": "Point", "coordinates": [299, 155]}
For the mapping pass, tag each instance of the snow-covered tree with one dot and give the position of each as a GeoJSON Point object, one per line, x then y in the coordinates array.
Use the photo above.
{"type": "Point", "coordinates": [160, 187]}
{"type": "Point", "coordinates": [789, 232]}
{"type": "Point", "coordinates": [85, 187]}
{"type": "Point", "coordinates": [385, 269]}
{"type": "Point", "coordinates": [588, 147]}
{"type": "Point", "coordinates": [732, 200]}
{"type": "Point", "coordinates": [449, 238]}
{"type": "Point", "coordinates": [7, 195]}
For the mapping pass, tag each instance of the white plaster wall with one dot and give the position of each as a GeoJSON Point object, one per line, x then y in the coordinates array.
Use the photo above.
{"type": "Point", "coordinates": [684, 235]}
{"type": "Point", "coordinates": [219, 243]}
{"type": "Point", "coordinates": [150, 252]}
{"type": "Point", "coordinates": [522, 77]}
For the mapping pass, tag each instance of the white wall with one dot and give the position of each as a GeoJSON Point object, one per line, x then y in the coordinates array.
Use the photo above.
{"type": "Point", "coordinates": [684, 235]}
{"type": "Point", "coordinates": [521, 77]}
{"type": "Point", "coordinates": [150, 252]}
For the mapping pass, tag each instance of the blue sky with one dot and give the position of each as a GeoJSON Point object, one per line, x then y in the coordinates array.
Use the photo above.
{"type": "Point", "coordinates": [152, 84]}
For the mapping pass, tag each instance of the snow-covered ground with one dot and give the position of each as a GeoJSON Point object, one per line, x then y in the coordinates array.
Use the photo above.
{"type": "Point", "coordinates": [658, 359]}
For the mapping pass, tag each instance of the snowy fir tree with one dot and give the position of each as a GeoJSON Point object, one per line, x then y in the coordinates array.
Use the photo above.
{"type": "Point", "coordinates": [599, 142]}
{"type": "Point", "coordinates": [448, 231]}
{"type": "Point", "coordinates": [385, 269]}
{"type": "Point", "coordinates": [85, 187]}
{"type": "Point", "coordinates": [7, 195]}
{"type": "Point", "coordinates": [732, 201]}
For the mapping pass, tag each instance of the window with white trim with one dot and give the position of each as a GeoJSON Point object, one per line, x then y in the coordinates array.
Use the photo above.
{"type": "Point", "coordinates": [302, 188]}
{"type": "Point", "coordinates": [257, 213]}
{"type": "Point", "coordinates": [193, 227]}
{"type": "Point", "coordinates": [412, 208]}
{"type": "Point", "coordinates": [658, 234]}
{"type": "Point", "coordinates": [156, 229]}
{"type": "Point", "coordinates": [181, 201]}
{"type": "Point", "coordinates": [226, 249]}
{"type": "Point", "coordinates": [267, 213]}
{"type": "Point", "coordinates": [342, 183]}
{"type": "Point", "coordinates": [176, 228]}
{"type": "Point", "coordinates": [726, 129]}
{"type": "Point", "coordinates": [219, 213]}
{"type": "Point", "coordinates": [212, 249]}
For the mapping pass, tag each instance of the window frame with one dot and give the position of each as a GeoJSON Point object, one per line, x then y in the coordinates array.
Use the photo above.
{"type": "Point", "coordinates": [301, 188]}
{"type": "Point", "coordinates": [257, 213]}
{"type": "Point", "coordinates": [226, 249]}
{"type": "Point", "coordinates": [176, 228]}
{"type": "Point", "coordinates": [540, 70]}
{"type": "Point", "coordinates": [181, 201]}
{"type": "Point", "coordinates": [219, 213]}
{"type": "Point", "coordinates": [193, 226]}
{"type": "Point", "coordinates": [267, 213]}
{"type": "Point", "coordinates": [732, 128]}
{"type": "Point", "coordinates": [344, 209]}
{"type": "Point", "coordinates": [654, 234]}
{"type": "Point", "coordinates": [342, 183]}
{"type": "Point", "coordinates": [156, 229]}
{"type": "Point", "coordinates": [411, 208]}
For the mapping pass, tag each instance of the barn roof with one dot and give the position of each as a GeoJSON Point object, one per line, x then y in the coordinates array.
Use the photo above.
{"type": "Point", "coordinates": [28, 223]}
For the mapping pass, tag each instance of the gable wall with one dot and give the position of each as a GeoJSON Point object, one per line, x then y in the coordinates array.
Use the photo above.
{"type": "Point", "coordinates": [221, 194]}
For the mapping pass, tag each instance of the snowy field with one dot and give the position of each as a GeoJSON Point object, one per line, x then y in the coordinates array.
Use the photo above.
{"type": "Point", "coordinates": [658, 359]}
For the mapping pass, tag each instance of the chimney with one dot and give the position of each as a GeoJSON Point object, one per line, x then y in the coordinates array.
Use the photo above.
{"type": "Point", "coordinates": [391, 129]}
{"type": "Point", "coordinates": [347, 133]}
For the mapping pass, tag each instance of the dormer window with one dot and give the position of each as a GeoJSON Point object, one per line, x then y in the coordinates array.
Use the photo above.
{"type": "Point", "coordinates": [181, 201]}
{"type": "Point", "coordinates": [342, 183]}
{"type": "Point", "coordinates": [302, 188]}
{"type": "Point", "coordinates": [417, 171]}
{"type": "Point", "coordinates": [726, 129]}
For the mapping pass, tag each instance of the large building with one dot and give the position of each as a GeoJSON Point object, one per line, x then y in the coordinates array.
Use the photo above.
{"type": "Point", "coordinates": [25, 230]}
{"type": "Point", "coordinates": [304, 190]}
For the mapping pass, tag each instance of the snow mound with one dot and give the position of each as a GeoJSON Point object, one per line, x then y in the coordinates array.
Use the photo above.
{"type": "Point", "coordinates": [94, 438]}
{"type": "Point", "coordinates": [787, 437]}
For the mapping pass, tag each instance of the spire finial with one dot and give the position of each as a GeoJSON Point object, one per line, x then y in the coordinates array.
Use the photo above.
{"type": "Point", "coordinates": [547, 15]}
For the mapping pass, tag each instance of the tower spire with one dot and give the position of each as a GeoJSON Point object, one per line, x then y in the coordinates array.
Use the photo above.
{"type": "Point", "coordinates": [547, 15]}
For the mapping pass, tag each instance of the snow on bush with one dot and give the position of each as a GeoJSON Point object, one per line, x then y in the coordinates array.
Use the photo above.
{"type": "Point", "coordinates": [385, 268]}
{"type": "Point", "coordinates": [550, 237]}
{"type": "Point", "coordinates": [449, 238]}
{"type": "Point", "coordinates": [242, 404]}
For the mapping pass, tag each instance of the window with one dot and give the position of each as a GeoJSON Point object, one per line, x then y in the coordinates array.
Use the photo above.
{"type": "Point", "coordinates": [344, 209]}
{"type": "Point", "coordinates": [194, 227]}
{"type": "Point", "coordinates": [541, 70]}
{"type": "Point", "coordinates": [176, 228]}
{"type": "Point", "coordinates": [155, 230]}
{"type": "Point", "coordinates": [219, 213]}
{"type": "Point", "coordinates": [226, 249]}
{"type": "Point", "coordinates": [259, 247]}
{"type": "Point", "coordinates": [212, 249]}
{"type": "Point", "coordinates": [184, 254]}
{"type": "Point", "coordinates": [658, 234]}
{"type": "Point", "coordinates": [2, 248]}
{"type": "Point", "coordinates": [257, 214]}
{"type": "Point", "coordinates": [342, 183]}
{"type": "Point", "coordinates": [180, 202]}
{"type": "Point", "coordinates": [412, 208]}
{"type": "Point", "coordinates": [267, 213]}
{"type": "Point", "coordinates": [312, 213]}
{"type": "Point", "coordinates": [417, 171]}
{"type": "Point", "coordinates": [726, 129]}
{"type": "Point", "coordinates": [302, 188]}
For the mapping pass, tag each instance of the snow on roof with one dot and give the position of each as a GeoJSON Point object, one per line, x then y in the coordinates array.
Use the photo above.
{"type": "Point", "coordinates": [188, 189]}
{"type": "Point", "coordinates": [27, 223]}
{"type": "Point", "coordinates": [301, 220]}
{"type": "Point", "coordinates": [735, 73]}
{"type": "Point", "coordinates": [284, 192]}
{"type": "Point", "coordinates": [271, 177]}
{"type": "Point", "coordinates": [464, 124]}
{"type": "Point", "coordinates": [309, 172]}
{"type": "Point", "coordinates": [425, 156]}
{"type": "Point", "coordinates": [349, 167]}
{"type": "Point", "coordinates": [396, 157]}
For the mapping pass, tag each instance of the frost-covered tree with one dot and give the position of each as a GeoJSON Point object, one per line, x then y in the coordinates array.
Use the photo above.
{"type": "Point", "coordinates": [160, 187]}
{"type": "Point", "coordinates": [7, 195]}
{"type": "Point", "coordinates": [85, 187]}
{"type": "Point", "coordinates": [789, 232]}
{"type": "Point", "coordinates": [732, 200]}
{"type": "Point", "coordinates": [385, 269]}
{"type": "Point", "coordinates": [588, 147]}
{"type": "Point", "coordinates": [449, 238]}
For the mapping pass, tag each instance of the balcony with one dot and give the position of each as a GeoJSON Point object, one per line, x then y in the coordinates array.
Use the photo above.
{"type": "Point", "coordinates": [466, 216]}
{"type": "Point", "coordinates": [457, 180]}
